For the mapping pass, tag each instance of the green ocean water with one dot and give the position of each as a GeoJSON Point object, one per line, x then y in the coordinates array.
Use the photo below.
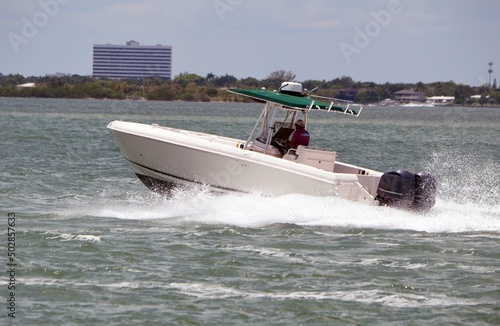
{"type": "Point", "coordinates": [93, 246]}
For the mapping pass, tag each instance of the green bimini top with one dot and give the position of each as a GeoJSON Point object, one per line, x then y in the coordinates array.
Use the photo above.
{"type": "Point", "coordinates": [291, 101]}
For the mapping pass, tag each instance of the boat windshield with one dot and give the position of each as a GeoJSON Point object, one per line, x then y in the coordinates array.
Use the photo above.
{"type": "Point", "coordinates": [267, 124]}
{"type": "Point", "coordinates": [277, 123]}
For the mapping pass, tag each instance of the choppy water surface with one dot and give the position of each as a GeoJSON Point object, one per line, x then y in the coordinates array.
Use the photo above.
{"type": "Point", "coordinates": [94, 246]}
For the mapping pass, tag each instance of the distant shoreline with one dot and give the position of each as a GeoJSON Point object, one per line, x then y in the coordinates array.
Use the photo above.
{"type": "Point", "coordinates": [194, 88]}
{"type": "Point", "coordinates": [437, 107]}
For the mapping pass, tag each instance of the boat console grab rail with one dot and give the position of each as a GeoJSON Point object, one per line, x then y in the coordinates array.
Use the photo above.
{"type": "Point", "coordinates": [347, 104]}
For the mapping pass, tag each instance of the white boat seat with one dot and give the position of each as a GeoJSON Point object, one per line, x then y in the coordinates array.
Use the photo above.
{"type": "Point", "coordinates": [291, 155]}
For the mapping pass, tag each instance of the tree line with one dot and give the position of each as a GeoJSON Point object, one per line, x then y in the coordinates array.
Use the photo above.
{"type": "Point", "coordinates": [192, 87]}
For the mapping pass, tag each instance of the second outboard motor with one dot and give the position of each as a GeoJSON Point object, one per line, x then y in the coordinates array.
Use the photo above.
{"type": "Point", "coordinates": [396, 189]}
{"type": "Point", "coordinates": [425, 191]}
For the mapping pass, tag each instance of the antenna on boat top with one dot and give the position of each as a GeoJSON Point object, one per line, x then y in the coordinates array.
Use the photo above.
{"type": "Point", "coordinates": [282, 85]}
{"type": "Point", "coordinates": [313, 90]}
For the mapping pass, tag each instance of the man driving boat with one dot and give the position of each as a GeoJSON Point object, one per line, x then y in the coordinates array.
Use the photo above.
{"type": "Point", "coordinates": [300, 136]}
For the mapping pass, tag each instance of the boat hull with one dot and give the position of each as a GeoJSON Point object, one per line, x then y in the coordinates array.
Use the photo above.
{"type": "Point", "coordinates": [165, 157]}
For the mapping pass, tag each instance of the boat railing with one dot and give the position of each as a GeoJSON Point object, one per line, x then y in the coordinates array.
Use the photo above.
{"type": "Point", "coordinates": [344, 104]}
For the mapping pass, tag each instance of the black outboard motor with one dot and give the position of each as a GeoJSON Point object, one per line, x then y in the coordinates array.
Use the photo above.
{"type": "Point", "coordinates": [396, 189]}
{"type": "Point", "coordinates": [404, 189]}
{"type": "Point", "coordinates": [425, 192]}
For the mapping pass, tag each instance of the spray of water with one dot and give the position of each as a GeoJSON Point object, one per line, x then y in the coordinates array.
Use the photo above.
{"type": "Point", "coordinates": [200, 206]}
{"type": "Point", "coordinates": [468, 201]}
{"type": "Point", "coordinates": [466, 178]}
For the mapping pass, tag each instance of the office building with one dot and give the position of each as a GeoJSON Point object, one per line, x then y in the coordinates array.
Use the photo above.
{"type": "Point", "coordinates": [132, 61]}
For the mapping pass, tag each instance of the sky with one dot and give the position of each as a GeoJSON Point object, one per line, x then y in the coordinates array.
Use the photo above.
{"type": "Point", "coordinates": [371, 41]}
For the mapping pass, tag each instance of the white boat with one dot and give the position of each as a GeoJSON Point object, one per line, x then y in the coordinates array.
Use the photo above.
{"type": "Point", "coordinates": [165, 158]}
{"type": "Point", "coordinates": [426, 104]}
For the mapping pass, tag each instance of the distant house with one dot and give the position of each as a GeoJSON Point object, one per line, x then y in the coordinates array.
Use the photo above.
{"type": "Point", "coordinates": [475, 98]}
{"type": "Point", "coordinates": [409, 95]}
{"type": "Point", "coordinates": [440, 100]}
